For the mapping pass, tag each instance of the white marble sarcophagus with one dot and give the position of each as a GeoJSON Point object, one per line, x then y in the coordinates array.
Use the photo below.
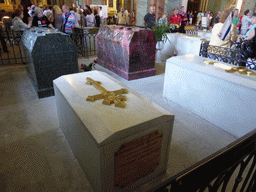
{"type": "Point", "coordinates": [118, 148]}
{"type": "Point", "coordinates": [227, 100]}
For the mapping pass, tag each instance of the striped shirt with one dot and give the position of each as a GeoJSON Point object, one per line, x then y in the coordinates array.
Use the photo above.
{"type": "Point", "coordinates": [70, 21]}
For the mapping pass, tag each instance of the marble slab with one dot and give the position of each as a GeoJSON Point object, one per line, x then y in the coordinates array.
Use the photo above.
{"type": "Point", "coordinates": [184, 44]}
{"type": "Point", "coordinates": [226, 100]}
{"type": "Point", "coordinates": [98, 133]}
{"type": "Point", "coordinates": [127, 51]}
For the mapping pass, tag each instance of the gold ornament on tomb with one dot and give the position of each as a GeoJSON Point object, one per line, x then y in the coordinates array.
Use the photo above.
{"type": "Point", "coordinates": [108, 97]}
{"type": "Point", "coordinates": [241, 70]}
{"type": "Point", "coordinates": [190, 27]}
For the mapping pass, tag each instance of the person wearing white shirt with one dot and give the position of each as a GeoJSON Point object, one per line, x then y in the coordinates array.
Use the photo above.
{"type": "Point", "coordinates": [17, 23]}
{"type": "Point", "coordinates": [77, 18]}
{"type": "Point", "coordinates": [90, 19]}
{"type": "Point", "coordinates": [245, 22]}
{"type": "Point", "coordinates": [101, 15]}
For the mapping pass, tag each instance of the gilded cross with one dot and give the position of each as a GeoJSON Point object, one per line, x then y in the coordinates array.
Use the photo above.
{"type": "Point", "coordinates": [108, 97]}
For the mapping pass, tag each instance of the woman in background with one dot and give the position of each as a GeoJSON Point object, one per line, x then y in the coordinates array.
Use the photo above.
{"type": "Point", "coordinates": [163, 20]}
{"type": "Point", "coordinates": [39, 20]}
{"type": "Point", "coordinates": [17, 23]}
{"type": "Point", "coordinates": [245, 22]}
{"type": "Point", "coordinates": [97, 18]}
{"type": "Point", "coordinates": [249, 50]}
{"type": "Point", "coordinates": [90, 19]}
{"type": "Point", "coordinates": [57, 16]}
{"type": "Point", "coordinates": [231, 36]}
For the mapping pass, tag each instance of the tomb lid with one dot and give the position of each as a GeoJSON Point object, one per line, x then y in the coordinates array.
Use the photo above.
{"type": "Point", "coordinates": [108, 123]}
{"type": "Point", "coordinates": [196, 63]}
{"type": "Point", "coordinates": [31, 36]}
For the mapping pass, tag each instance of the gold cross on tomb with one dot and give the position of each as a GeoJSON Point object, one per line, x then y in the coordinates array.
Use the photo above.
{"type": "Point", "coordinates": [108, 97]}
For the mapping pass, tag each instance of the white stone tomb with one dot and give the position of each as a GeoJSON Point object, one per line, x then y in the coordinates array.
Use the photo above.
{"type": "Point", "coordinates": [118, 148]}
{"type": "Point", "coordinates": [227, 100]}
{"type": "Point", "coordinates": [182, 43]}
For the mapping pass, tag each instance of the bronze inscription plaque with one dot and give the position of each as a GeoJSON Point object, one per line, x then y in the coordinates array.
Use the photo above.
{"type": "Point", "coordinates": [137, 158]}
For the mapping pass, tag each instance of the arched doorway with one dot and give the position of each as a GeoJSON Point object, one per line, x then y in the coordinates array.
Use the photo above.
{"type": "Point", "coordinates": [194, 6]}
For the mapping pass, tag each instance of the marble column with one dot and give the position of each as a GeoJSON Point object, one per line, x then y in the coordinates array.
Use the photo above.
{"type": "Point", "coordinates": [142, 10]}
{"type": "Point", "coordinates": [159, 4]}
{"type": "Point", "coordinates": [104, 2]}
{"type": "Point", "coordinates": [170, 5]}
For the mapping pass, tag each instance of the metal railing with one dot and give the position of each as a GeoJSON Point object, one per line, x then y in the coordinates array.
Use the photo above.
{"type": "Point", "coordinates": [231, 169]}
{"type": "Point", "coordinates": [85, 41]}
{"type": "Point", "coordinates": [226, 55]}
{"type": "Point", "coordinates": [14, 53]}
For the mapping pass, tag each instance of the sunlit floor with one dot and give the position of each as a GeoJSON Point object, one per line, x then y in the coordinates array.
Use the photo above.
{"type": "Point", "coordinates": [35, 156]}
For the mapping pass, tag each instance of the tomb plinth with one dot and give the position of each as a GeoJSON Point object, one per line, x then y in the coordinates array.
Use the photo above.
{"type": "Point", "coordinates": [50, 54]}
{"type": "Point", "coordinates": [119, 148]}
{"type": "Point", "coordinates": [127, 51]}
{"type": "Point", "coordinates": [224, 99]}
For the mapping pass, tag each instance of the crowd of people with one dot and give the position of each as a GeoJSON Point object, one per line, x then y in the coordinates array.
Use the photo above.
{"type": "Point", "coordinates": [227, 26]}
{"type": "Point", "coordinates": [179, 18]}
{"type": "Point", "coordinates": [230, 27]}
{"type": "Point", "coordinates": [65, 19]}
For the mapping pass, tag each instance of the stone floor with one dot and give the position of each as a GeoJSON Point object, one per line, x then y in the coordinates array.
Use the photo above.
{"type": "Point", "coordinates": [35, 156]}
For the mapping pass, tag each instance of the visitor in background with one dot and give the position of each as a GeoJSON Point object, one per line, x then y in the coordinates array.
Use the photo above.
{"type": "Point", "coordinates": [68, 20]}
{"type": "Point", "coordinates": [175, 19]}
{"type": "Point", "coordinates": [217, 18]}
{"type": "Point", "coordinates": [82, 19]}
{"type": "Point", "coordinates": [209, 19]}
{"type": "Point", "coordinates": [122, 17]}
{"type": "Point", "coordinates": [250, 34]}
{"type": "Point", "coordinates": [163, 20]}
{"type": "Point", "coordinates": [73, 7]}
{"type": "Point", "coordinates": [18, 24]}
{"type": "Point", "coordinates": [244, 52]}
{"type": "Point", "coordinates": [88, 7]}
{"type": "Point", "coordinates": [245, 22]}
{"type": "Point", "coordinates": [101, 15]}
{"type": "Point", "coordinates": [79, 7]}
{"type": "Point", "coordinates": [199, 18]}
{"type": "Point", "coordinates": [97, 18]}
{"type": "Point", "coordinates": [128, 16]}
{"type": "Point", "coordinates": [190, 15]}
{"type": "Point", "coordinates": [236, 18]}
{"type": "Point", "coordinates": [44, 8]}
{"type": "Point", "coordinates": [57, 13]}
{"type": "Point", "coordinates": [184, 19]}
{"type": "Point", "coordinates": [231, 36]}
{"type": "Point", "coordinates": [77, 18]}
{"type": "Point", "coordinates": [39, 20]}
{"type": "Point", "coordinates": [90, 19]}
{"type": "Point", "coordinates": [31, 11]}
{"type": "Point", "coordinates": [49, 14]}
{"type": "Point", "coordinates": [150, 18]}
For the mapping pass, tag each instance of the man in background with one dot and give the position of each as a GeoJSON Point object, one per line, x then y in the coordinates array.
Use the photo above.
{"type": "Point", "coordinates": [68, 20]}
{"type": "Point", "coordinates": [122, 17]}
{"type": "Point", "coordinates": [184, 19]}
{"type": "Point", "coordinates": [150, 18]}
